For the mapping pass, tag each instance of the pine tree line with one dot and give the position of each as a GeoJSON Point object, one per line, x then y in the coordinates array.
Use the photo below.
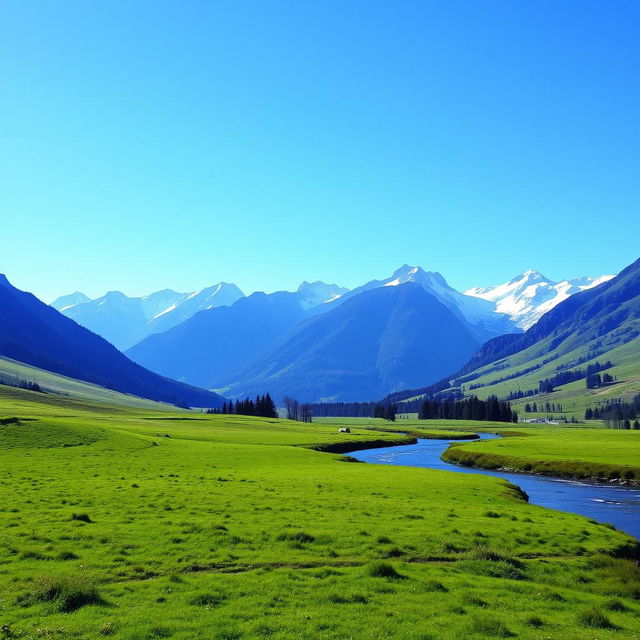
{"type": "Point", "coordinates": [548, 407]}
{"type": "Point", "coordinates": [22, 384]}
{"type": "Point", "coordinates": [616, 413]}
{"type": "Point", "coordinates": [387, 412]}
{"type": "Point", "coordinates": [472, 408]}
{"type": "Point", "coordinates": [262, 406]}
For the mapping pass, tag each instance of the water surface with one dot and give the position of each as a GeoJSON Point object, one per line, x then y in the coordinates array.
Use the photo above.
{"type": "Point", "coordinates": [606, 503]}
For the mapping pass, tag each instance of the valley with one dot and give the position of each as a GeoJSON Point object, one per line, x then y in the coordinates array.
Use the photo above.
{"type": "Point", "coordinates": [114, 515]}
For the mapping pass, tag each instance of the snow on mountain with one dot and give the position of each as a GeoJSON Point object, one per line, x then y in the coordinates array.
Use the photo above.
{"type": "Point", "coordinates": [222, 294]}
{"type": "Point", "coordinates": [124, 320]}
{"type": "Point", "coordinates": [527, 297]}
{"type": "Point", "coordinates": [69, 300]}
{"type": "Point", "coordinates": [480, 314]}
{"type": "Point", "coordinates": [312, 294]}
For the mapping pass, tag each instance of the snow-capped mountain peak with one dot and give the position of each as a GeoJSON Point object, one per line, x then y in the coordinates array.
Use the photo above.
{"type": "Point", "coordinates": [312, 294]}
{"type": "Point", "coordinates": [528, 296]}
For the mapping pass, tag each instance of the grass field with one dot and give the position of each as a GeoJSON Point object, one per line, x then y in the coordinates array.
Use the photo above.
{"type": "Point", "coordinates": [131, 523]}
{"type": "Point", "coordinates": [574, 397]}
{"type": "Point", "coordinates": [569, 452]}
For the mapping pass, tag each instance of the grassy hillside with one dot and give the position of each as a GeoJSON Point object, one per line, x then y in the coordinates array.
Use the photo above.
{"type": "Point", "coordinates": [136, 523]}
{"type": "Point", "coordinates": [582, 453]}
{"type": "Point", "coordinates": [12, 371]}
{"type": "Point", "coordinates": [574, 397]}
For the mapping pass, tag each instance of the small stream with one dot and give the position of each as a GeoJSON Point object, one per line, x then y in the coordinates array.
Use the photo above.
{"type": "Point", "coordinates": [605, 503]}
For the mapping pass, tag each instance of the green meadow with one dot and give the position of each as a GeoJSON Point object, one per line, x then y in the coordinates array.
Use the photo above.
{"type": "Point", "coordinates": [574, 397]}
{"type": "Point", "coordinates": [141, 522]}
{"type": "Point", "coordinates": [595, 453]}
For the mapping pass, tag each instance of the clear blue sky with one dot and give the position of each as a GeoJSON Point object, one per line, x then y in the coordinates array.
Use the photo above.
{"type": "Point", "coordinates": [158, 143]}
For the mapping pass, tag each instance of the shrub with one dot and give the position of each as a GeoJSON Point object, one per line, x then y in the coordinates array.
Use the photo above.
{"type": "Point", "coordinates": [383, 570]}
{"type": "Point", "coordinates": [65, 593]}
{"type": "Point", "coordinates": [470, 599]}
{"type": "Point", "coordinates": [594, 618]}
{"type": "Point", "coordinates": [298, 536]}
{"type": "Point", "coordinates": [489, 626]}
{"type": "Point", "coordinates": [535, 622]}
{"type": "Point", "coordinates": [615, 605]}
{"type": "Point", "coordinates": [434, 585]}
{"type": "Point", "coordinates": [82, 517]}
{"type": "Point", "coordinates": [208, 599]}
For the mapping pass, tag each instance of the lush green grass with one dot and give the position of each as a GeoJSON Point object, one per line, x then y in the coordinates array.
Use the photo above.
{"type": "Point", "coordinates": [574, 397]}
{"type": "Point", "coordinates": [136, 523]}
{"type": "Point", "coordinates": [577, 453]}
{"type": "Point", "coordinates": [53, 383]}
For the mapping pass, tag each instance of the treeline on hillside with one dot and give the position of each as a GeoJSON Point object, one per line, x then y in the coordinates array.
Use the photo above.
{"type": "Point", "coordinates": [548, 407]}
{"type": "Point", "coordinates": [22, 384]}
{"type": "Point", "coordinates": [429, 391]}
{"type": "Point", "coordinates": [616, 413]}
{"type": "Point", "coordinates": [472, 408]}
{"type": "Point", "coordinates": [343, 409]}
{"type": "Point", "coordinates": [548, 385]}
{"type": "Point", "coordinates": [387, 412]}
{"type": "Point", "coordinates": [595, 380]}
{"type": "Point", "coordinates": [262, 406]}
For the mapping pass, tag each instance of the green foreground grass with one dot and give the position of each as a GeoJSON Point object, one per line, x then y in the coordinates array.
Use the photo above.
{"type": "Point", "coordinates": [594, 453]}
{"type": "Point", "coordinates": [135, 523]}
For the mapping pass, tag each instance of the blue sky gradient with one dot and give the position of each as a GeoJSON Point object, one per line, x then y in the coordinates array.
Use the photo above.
{"type": "Point", "coordinates": [156, 144]}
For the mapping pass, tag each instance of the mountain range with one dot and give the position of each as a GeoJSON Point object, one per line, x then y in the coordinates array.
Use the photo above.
{"type": "Point", "coordinates": [125, 321]}
{"type": "Point", "coordinates": [322, 341]}
{"type": "Point", "coordinates": [527, 297]}
{"type": "Point", "coordinates": [37, 334]}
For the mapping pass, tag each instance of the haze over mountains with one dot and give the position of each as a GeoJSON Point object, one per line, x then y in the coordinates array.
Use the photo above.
{"type": "Point", "coordinates": [37, 334]}
{"type": "Point", "coordinates": [323, 341]}
{"type": "Point", "coordinates": [125, 321]}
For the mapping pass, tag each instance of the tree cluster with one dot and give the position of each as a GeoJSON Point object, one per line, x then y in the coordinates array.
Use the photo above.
{"type": "Point", "coordinates": [472, 408]}
{"type": "Point", "coordinates": [387, 412]}
{"type": "Point", "coordinates": [595, 380]}
{"type": "Point", "coordinates": [616, 413]}
{"type": "Point", "coordinates": [262, 406]}
{"type": "Point", "coordinates": [22, 384]}
{"type": "Point", "coordinates": [297, 411]}
{"type": "Point", "coordinates": [549, 407]}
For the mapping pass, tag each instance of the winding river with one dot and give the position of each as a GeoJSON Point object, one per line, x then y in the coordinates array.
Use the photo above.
{"type": "Point", "coordinates": [606, 503]}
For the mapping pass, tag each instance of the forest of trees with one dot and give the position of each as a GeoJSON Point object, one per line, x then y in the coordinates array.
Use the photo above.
{"type": "Point", "coordinates": [595, 380]}
{"type": "Point", "coordinates": [342, 409]}
{"type": "Point", "coordinates": [616, 413]}
{"type": "Point", "coordinates": [297, 411]}
{"type": "Point", "coordinates": [22, 384]}
{"type": "Point", "coordinates": [469, 409]}
{"type": "Point", "coordinates": [262, 406]}
{"type": "Point", "coordinates": [387, 412]}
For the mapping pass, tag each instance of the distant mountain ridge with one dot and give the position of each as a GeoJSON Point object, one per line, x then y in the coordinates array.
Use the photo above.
{"type": "Point", "coordinates": [125, 321]}
{"type": "Point", "coordinates": [527, 297]}
{"type": "Point", "coordinates": [598, 324]}
{"type": "Point", "coordinates": [37, 334]}
{"type": "Point", "coordinates": [265, 342]}
{"type": "Point", "coordinates": [380, 340]}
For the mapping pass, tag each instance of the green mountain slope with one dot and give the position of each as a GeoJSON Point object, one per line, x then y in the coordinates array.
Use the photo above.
{"type": "Point", "coordinates": [60, 387]}
{"type": "Point", "coordinates": [599, 325]}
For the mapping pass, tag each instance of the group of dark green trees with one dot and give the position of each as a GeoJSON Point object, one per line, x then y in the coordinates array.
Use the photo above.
{"type": "Point", "coordinates": [595, 380]}
{"type": "Point", "coordinates": [387, 412]}
{"type": "Point", "coordinates": [262, 406]}
{"type": "Point", "coordinates": [616, 413]}
{"type": "Point", "coordinates": [472, 408]}
{"type": "Point", "coordinates": [548, 407]}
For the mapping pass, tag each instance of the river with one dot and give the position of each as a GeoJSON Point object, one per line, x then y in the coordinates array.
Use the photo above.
{"type": "Point", "coordinates": [617, 505]}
